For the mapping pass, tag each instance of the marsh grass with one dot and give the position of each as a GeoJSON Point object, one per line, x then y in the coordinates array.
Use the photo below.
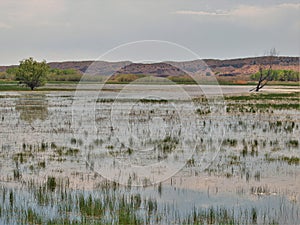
{"type": "Point", "coordinates": [160, 101]}
{"type": "Point", "coordinates": [114, 207]}
{"type": "Point", "coordinates": [241, 157]}
{"type": "Point", "coordinates": [293, 160]}
{"type": "Point", "coordinates": [265, 96]}
{"type": "Point", "coordinates": [13, 87]}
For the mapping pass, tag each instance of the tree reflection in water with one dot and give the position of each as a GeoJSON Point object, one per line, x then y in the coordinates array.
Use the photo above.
{"type": "Point", "coordinates": [32, 107]}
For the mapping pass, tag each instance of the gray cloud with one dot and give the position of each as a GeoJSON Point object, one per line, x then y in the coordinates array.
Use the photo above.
{"type": "Point", "coordinates": [73, 29]}
{"type": "Point", "coordinates": [247, 11]}
{"type": "Point", "coordinates": [202, 13]}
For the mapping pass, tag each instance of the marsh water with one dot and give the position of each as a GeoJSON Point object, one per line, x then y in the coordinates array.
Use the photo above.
{"type": "Point", "coordinates": [149, 154]}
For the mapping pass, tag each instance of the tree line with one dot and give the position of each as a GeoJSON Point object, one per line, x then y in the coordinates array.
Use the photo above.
{"type": "Point", "coordinates": [279, 75]}
{"type": "Point", "coordinates": [34, 74]}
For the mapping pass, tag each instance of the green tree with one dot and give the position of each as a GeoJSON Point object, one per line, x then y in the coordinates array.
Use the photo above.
{"type": "Point", "coordinates": [279, 75]}
{"type": "Point", "coordinates": [32, 73]}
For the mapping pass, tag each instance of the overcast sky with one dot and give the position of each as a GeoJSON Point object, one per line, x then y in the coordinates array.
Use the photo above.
{"type": "Point", "coordinates": [59, 30]}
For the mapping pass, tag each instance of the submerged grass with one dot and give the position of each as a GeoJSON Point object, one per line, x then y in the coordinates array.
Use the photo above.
{"type": "Point", "coordinates": [104, 206]}
{"type": "Point", "coordinates": [263, 102]}
{"type": "Point", "coordinates": [293, 160]}
{"type": "Point", "coordinates": [111, 205]}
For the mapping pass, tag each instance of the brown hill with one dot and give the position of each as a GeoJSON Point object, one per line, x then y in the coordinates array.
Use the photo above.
{"type": "Point", "coordinates": [91, 67]}
{"type": "Point", "coordinates": [231, 67]}
{"type": "Point", "coordinates": [234, 67]}
{"type": "Point", "coordinates": [154, 69]}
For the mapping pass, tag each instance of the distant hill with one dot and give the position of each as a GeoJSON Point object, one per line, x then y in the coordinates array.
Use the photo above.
{"type": "Point", "coordinates": [155, 69]}
{"type": "Point", "coordinates": [235, 67]}
{"type": "Point", "coordinates": [91, 67]}
{"type": "Point", "coordinates": [222, 68]}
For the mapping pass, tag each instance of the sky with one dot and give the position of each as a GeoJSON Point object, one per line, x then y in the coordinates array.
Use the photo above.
{"type": "Point", "coordinates": [62, 30]}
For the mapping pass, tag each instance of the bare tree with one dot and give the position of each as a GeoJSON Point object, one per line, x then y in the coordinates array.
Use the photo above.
{"type": "Point", "coordinates": [265, 70]}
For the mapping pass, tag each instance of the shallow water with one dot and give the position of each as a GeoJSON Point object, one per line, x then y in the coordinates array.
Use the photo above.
{"type": "Point", "coordinates": [207, 158]}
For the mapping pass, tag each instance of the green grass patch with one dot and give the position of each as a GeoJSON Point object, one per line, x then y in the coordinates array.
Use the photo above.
{"type": "Point", "coordinates": [260, 107]}
{"type": "Point", "coordinates": [265, 96]}
{"type": "Point", "coordinates": [8, 82]}
{"type": "Point", "coordinates": [13, 88]}
{"type": "Point", "coordinates": [145, 100]}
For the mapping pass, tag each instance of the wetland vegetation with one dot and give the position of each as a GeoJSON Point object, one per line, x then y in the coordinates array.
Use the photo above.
{"type": "Point", "coordinates": [244, 169]}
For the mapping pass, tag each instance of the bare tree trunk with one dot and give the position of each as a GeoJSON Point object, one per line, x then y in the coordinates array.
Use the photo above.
{"type": "Point", "coordinates": [260, 79]}
{"type": "Point", "coordinates": [263, 80]}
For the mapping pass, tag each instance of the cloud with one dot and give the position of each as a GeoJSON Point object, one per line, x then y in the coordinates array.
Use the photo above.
{"type": "Point", "coordinates": [69, 29]}
{"type": "Point", "coordinates": [202, 13]}
{"type": "Point", "coordinates": [255, 17]}
{"type": "Point", "coordinates": [4, 26]}
{"type": "Point", "coordinates": [244, 11]}
{"type": "Point", "coordinates": [254, 11]}
{"type": "Point", "coordinates": [30, 11]}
